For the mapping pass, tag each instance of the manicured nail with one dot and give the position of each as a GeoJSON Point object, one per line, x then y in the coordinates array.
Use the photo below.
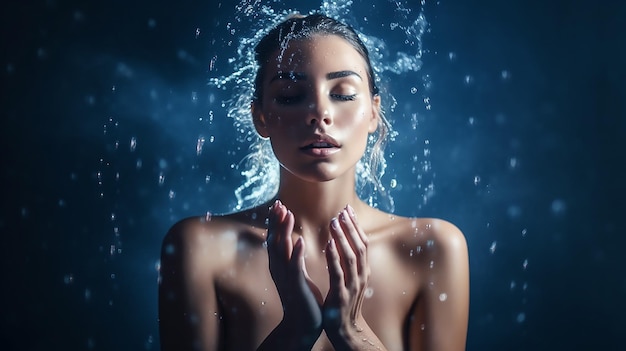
{"type": "Point", "coordinates": [343, 215]}
{"type": "Point", "coordinates": [334, 223]}
{"type": "Point", "coordinates": [351, 211]}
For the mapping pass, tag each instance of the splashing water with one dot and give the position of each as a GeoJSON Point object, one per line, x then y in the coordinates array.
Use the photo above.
{"type": "Point", "coordinates": [260, 167]}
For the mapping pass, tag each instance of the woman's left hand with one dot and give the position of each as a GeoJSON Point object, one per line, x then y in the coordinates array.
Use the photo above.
{"type": "Point", "coordinates": [349, 273]}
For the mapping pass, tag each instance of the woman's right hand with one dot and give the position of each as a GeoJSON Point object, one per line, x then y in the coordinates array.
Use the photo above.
{"type": "Point", "coordinates": [300, 297]}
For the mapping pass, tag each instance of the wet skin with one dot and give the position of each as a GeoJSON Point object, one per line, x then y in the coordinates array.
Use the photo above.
{"type": "Point", "coordinates": [330, 276]}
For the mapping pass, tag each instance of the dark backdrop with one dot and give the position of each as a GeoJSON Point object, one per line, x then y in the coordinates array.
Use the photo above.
{"type": "Point", "coordinates": [103, 105]}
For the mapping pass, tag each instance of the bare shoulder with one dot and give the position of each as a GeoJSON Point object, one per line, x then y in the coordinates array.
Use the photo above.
{"type": "Point", "coordinates": [432, 233]}
{"type": "Point", "coordinates": [210, 242]}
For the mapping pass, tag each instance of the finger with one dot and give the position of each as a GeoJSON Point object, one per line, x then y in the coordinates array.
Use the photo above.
{"type": "Point", "coordinates": [335, 272]}
{"type": "Point", "coordinates": [362, 234]}
{"type": "Point", "coordinates": [359, 247]}
{"type": "Point", "coordinates": [346, 254]}
{"type": "Point", "coordinates": [282, 228]}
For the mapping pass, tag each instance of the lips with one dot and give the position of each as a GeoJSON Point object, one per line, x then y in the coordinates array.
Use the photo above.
{"type": "Point", "coordinates": [320, 146]}
{"type": "Point", "coordinates": [320, 142]}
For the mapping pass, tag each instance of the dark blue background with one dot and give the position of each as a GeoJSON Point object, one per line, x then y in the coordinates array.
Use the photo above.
{"type": "Point", "coordinates": [80, 245]}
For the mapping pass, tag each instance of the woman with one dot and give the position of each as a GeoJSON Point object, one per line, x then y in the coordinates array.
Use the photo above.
{"type": "Point", "coordinates": [322, 270]}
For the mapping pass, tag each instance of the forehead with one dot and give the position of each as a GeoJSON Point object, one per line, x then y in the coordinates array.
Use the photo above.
{"type": "Point", "coordinates": [324, 53]}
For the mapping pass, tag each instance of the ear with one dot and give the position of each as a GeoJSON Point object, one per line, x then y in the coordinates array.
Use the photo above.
{"type": "Point", "coordinates": [258, 118]}
{"type": "Point", "coordinates": [375, 118]}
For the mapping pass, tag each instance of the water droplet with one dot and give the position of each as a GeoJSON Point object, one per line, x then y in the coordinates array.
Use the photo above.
{"type": "Point", "coordinates": [207, 216]}
{"type": "Point", "coordinates": [161, 178]}
{"type": "Point", "coordinates": [558, 207]}
{"type": "Point", "coordinates": [443, 297]}
{"type": "Point", "coordinates": [263, 303]}
{"type": "Point", "coordinates": [431, 264]}
{"type": "Point", "coordinates": [476, 180]}
{"type": "Point", "coordinates": [369, 292]}
{"type": "Point", "coordinates": [199, 145]}
{"type": "Point", "coordinates": [492, 248]}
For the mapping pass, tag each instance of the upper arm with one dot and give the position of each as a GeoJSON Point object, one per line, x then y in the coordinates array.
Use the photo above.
{"type": "Point", "coordinates": [442, 310]}
{"type": "Point", "coordinates": [187, 298]}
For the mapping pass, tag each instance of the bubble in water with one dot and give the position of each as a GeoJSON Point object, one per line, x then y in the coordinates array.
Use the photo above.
{"type": "Point", "coordinates": [87, 294]}
{"type": "Point", "coordinates": [393, 183]}
{"type": "Point", "coordinates": [413, 90]}
{"type": "Point", "coordinates": [443, 297]}
{"type": "Point", "coordinates": [492, 248]}
{"type": "Point", "coordinates": [369, 292]}
{"type": "Point", "coordinates": [524, 232]}
{"type": "Point", "coordinates": [471, 121]}
{"type": "Point", "coordinates": [505, 74]}
{"type": "Point", "coordinates": [171, 194]}
{"type": "Point", "coordinates": [68, 279]}
{"type": "Point", "coordinates": [513, 163]}
{"type": "Point", "coordinates": [468, 79]}
{"type": "Point", "coordinates": [525, 264]}
{"type": "Point", "coordinates": [452, 56]}
{"type": "Point", "coordinates": [521, 317]}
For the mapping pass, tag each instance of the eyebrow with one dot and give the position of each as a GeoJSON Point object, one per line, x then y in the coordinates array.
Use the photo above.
{"type": "Point", "coordinates": [301, 76]}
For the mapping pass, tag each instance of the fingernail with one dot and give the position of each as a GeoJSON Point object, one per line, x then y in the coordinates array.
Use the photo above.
{"type": "Point", "coordinates": [342, 215]}
{"type": "Point", "coordinates": [351, 211]}
{"type": "Point", "coordinates": [334, 223]}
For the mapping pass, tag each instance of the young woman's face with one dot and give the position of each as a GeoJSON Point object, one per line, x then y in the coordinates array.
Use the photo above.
{"type": "Point", "coordinates": [317, 108]}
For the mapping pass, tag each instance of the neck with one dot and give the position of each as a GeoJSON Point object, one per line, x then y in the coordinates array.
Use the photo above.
{"type": "Point", "coordinates": [314, 204]}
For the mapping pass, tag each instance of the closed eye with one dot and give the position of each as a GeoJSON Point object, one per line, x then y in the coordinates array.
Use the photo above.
{"type": "Point", "coordinates": [288, 100]}
{"type": "Point", "coordinates": [342, 97]}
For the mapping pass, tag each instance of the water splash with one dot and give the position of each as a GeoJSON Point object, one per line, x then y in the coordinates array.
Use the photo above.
{"type": "Point", "coordinates": [260, 168]}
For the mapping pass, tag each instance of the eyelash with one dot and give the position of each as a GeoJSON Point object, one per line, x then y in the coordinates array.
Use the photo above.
{"type": "Point", "coordinates": [286, 100]}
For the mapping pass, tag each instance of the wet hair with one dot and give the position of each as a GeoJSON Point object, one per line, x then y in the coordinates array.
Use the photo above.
{"type": "Point", "coordinates": [297, 27]}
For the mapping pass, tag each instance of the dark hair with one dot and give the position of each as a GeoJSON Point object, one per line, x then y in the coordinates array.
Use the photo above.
{"type": "Point", "coordinates": [298, 27]}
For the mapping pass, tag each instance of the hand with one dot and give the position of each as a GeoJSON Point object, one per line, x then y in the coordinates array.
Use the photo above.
{"type": "Point", "coordinates": [300, 297]}
{"type": "Point", "coordinates": [349, 272]}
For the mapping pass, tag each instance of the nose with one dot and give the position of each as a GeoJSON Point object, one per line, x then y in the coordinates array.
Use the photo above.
{"type": "Point", "coordinates": [319, 113]}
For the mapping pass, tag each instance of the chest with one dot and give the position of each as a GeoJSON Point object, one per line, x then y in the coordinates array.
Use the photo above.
{"type": "Point", "coordinates": [248, 298]}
